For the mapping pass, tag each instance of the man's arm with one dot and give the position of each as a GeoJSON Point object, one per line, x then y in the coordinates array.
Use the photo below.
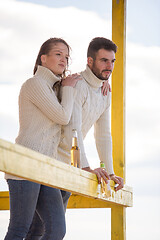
{"type": "Point", "coordinates": [103, 140]}
{"type": "Point", "coordinates": [76, 123]}
{"type": "Point", "coordinates": [102, 132]}
{"type": "Point", "coordinates": [100, 172]}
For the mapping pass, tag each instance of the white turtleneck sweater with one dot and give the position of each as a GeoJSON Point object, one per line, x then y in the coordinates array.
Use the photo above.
{"type": "Point", "coordinates": [41, 115]}
{"type": "Point", "coordinates": [90, 108]}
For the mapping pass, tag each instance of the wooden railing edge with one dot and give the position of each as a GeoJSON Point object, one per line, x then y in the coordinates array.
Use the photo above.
{"type": "Point", "coordinates": [28, 164]}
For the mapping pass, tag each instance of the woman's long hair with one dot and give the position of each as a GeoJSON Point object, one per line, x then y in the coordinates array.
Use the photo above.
{"type": "Point", "coordinates": [45, 49]}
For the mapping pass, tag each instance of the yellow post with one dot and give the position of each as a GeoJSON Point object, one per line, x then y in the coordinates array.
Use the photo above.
{"type": "Point", "coordinates": [118, 86]}
{"type": "Point", "coordinates": [118, 223]}
{"type": "Point", "coordinates": [118, 214]}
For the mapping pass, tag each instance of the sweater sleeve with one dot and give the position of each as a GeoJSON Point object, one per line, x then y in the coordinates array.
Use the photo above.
{"type": "Point", "coordinates": [75, 123]}
{"type": "Point", "coordinates": [103, 139]}
{"type": "Point", "coordinates": [44, 98]}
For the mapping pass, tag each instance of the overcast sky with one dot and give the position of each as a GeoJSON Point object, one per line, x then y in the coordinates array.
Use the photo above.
{"type": "Point", "coordinates": [24, 26]}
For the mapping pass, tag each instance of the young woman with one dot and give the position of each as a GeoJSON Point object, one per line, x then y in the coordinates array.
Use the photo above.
{"type": "Point", "coordinates": [41, 116]}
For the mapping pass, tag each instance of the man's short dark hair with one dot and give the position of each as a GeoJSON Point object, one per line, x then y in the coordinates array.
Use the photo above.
{"type": "Point", "coordinates": [100, 43]}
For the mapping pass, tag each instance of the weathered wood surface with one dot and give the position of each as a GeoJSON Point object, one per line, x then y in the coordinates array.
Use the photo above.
{"type": "Point", "coordinates": [23, 162]}
{"type": "Point", "coordinates": [75, 201]}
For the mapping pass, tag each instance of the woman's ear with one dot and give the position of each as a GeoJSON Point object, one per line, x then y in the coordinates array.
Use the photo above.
{"type": "Point", "coordinates": [43, 59]}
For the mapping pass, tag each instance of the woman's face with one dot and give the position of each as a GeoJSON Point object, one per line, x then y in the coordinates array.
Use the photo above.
{"type": "Point", "coordinates": [56, 60]}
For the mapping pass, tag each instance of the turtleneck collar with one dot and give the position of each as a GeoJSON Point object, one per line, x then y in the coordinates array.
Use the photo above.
{"type": "Point", "coordinates": [89, 76]}
{"type": "Point", "coordinates": [47, 75]}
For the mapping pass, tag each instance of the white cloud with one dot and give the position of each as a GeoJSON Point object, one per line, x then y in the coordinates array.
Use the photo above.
{"type": "Point", "coordinates": [25, 26]}
{"type": "Point", "coordinates": [142, 103]}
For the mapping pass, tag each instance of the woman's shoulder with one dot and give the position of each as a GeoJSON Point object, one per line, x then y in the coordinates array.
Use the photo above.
{"type": "Point", "coordinates": [31, 82]}
{"type": "Point", "coordinates": [28, 86]}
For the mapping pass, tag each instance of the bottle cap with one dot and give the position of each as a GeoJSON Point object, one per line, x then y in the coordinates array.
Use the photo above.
{"type": "Point", "coordinates": [74, 133]}
{"type": "Point", "coordinates": [102, 165]}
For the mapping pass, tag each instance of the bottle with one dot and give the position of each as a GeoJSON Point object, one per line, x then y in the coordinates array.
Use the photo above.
{"type": "Point", "coordinates": [99, 190]}
{"type": "Point", "coordinates": [106, 189]}
{"type": "Point", "coordinates": [101, 186]}
{"type": "Point", "coordinates": [75, 151]}
{"type": "Point", "coordinates": [102, 165]}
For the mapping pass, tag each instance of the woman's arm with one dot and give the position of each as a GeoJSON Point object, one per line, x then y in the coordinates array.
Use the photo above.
{"type": "Point", "coordinates": [43, 97]}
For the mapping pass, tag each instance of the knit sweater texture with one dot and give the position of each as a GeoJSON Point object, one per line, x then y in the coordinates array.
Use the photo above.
{"type": "Point", "coordinates": [90, 108]}
{"type": "Point", "coordinates": [41, 115]}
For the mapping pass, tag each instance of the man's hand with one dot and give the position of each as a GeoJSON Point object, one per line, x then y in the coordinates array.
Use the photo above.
{"type": "Point", "coordinates": [118, 181]}
{"type": "Point", "coordinates": [100, 173]}
{"type": "Point", "coordinates": [105, 87]}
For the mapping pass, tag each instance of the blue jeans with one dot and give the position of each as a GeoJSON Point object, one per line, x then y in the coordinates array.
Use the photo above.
{"type": "Point", "coordinates": [36, 210]}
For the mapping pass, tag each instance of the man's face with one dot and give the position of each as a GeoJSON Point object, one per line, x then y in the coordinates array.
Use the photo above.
{"type": "Point", "coordinates": [103, 65]}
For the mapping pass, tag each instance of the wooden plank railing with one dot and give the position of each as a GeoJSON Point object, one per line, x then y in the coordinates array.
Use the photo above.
{"type": "Point", "coordinates": [26, 163]}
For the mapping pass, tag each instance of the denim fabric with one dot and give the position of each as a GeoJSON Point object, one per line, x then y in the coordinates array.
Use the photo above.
{"type": "Point", "coordinates": [37, 229]}
{"type": "Point", "coordinates": [38, 203]}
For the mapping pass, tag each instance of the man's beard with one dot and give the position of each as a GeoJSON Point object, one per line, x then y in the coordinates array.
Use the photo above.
{"type": "Point", "coordinates": [99, 74]}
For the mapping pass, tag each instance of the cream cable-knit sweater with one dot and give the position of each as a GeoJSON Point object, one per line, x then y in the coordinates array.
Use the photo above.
{"type": "Point", "coordinates": [41, 115]}
{"type": "Point", "coordinates": [90, 108]}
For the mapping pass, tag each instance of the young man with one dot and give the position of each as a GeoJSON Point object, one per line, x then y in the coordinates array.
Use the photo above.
{"type": "Point", "coordinates": [92, 108]}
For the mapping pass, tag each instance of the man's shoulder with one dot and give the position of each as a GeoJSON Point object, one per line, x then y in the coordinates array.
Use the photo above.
{"type": "Point", "coordinates": [81, 91]}
{"type": "Point", "coordinates": [81, 84]}
{"type": "Point", "coordinates": [82, 87]}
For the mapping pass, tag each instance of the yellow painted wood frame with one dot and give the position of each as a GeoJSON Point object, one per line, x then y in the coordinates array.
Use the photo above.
{"type": "Point", "coordinates": [118, 214]}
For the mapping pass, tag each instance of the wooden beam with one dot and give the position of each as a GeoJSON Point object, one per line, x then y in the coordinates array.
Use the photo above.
{"type": "Point", "coordinates": [4, 200]}
{"type": "Point", "coordinates": [118, 86]}
{"type": "Point", "coordinates": [118, 214]}
{"type": "Point", "coordinates": [118, 223]}
{"type": "Point", "coordinates": [77, 201]}
{"type": "Point", "coordinates": [26, 163]}
{"type": "Point", "coordinates": [123, 197]}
